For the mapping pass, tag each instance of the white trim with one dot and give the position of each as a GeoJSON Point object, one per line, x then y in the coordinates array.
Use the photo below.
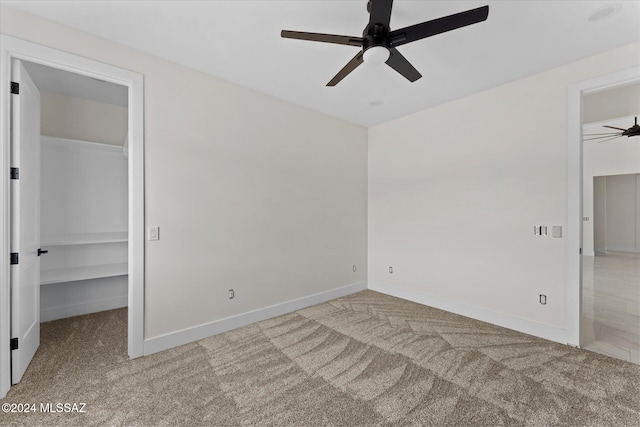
{"type": "Point", "coordinates": [70, 310]}
{"type": "Point", "coordinates": [478, 313]}
{"type": "Point", "coordinates": [573, 291]}
{"type": "Point", "coordinates": [624, 250]}
{"type": "Point", "coordinates": [5, 206]}
{"type": "Point", "coordinates": [184, 336]}
{"type": "Point", "coordinates": [14, 48]}
{"type": "Point", "coordinates": [135, 158]}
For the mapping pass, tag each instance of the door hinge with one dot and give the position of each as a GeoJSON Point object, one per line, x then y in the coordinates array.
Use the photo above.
{"type": "Point", "coordinates": [14, 343]}
{"type": "Point", "coordinates": [15, 88]}
{"type": "Point", "coordinates": [14, 258]}
{"type": "Point", "coordinates": [580, 251]}
{"type": "Point", "coordinates": [15, 173]}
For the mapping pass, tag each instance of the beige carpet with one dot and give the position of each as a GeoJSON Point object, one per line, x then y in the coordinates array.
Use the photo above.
{"type": "Point", "coordinates": [366, 359]}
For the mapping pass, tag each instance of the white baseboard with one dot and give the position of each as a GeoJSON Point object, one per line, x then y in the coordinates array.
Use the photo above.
{"type": "Point", "coordinates": [625, 250]}
{"type": "Point", "coordinates": [589, 253]}
{"type": "Point", "coordinates": [174, 339]}
{"type": "Point", "coordinates": [504, 320]}
{"type": "Point", "coordinates": [61, 312]}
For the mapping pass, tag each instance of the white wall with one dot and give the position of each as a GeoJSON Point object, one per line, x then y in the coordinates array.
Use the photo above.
{"type": "Point", "coordinates": [84, 187]}
{"type": "Point", "coordinates": [71, 117]}
{"type": "Point", "coordinates": [622, 217]}
{"type": "Point", "coordinates": [615, 157]}
{"type": "Point", "coordinates": [611, 104]}
{"type": "Point", "coordinates": [454, 193]}
{"type": "Point", "coordinates": [250, 192]}
{"type": "Point", "coordinates": [599, 218]}
{"type": "Point", "coordinates": [68, 299]}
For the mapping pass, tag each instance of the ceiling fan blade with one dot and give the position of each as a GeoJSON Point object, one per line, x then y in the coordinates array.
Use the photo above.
{"type": "Point", "coordinates": [601, 135]}
{"type": "Point", "coordinates": [437, 26]}
{"type": "Point", "coordinates": [605, 140]}
{"type": "Point", "coordinates": [319, 37]}
{"type": "Point", "coordinates": [351, 65]}
{"type": "Point", "coordinates": [401, 65]}
{"type": "Point", "coordinates": [613, 127]}
{"type": "Point", "coordinates": [596, 138]}
{"type": "Point", "coordinates": [380, 12]}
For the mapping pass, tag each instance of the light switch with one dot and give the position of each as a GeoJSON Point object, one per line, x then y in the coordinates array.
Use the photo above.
{"type": "Point", "coordinates": [539, 230]}
{"type": "Point", "coordinates": [557, 231]}
{"type": "Point", "coordinates": [154, 233]}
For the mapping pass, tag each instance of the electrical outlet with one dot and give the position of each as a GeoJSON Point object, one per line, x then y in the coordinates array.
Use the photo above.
{"type": "Point", "coordinates": [543, 299]}
{"type": "Point", "coordinates": [232, 294]}
{"type": "Point", "coordinates": [354, 268]}
{"type": "Point", "coordinates": [390, 270]}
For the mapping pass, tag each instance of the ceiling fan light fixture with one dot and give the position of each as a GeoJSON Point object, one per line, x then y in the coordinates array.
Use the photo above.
{"type": "Point", "coordinates": [376, 55]}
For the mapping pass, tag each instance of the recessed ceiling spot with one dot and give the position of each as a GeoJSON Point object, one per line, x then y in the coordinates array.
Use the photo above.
{"type": "Point", "coordinates": [604, 12]}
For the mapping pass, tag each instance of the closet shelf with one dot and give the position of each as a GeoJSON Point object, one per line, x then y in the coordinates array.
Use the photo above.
{"type": "Point", "coordinates": [83, 238]}
{"type": "Point", "coordinates": [72, 274]}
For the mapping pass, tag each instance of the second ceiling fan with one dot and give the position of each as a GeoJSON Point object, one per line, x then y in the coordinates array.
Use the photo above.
{"type": "Point", "coordinates": [378, 43]}
{"type": "Point", "coordinates": [619, 132]}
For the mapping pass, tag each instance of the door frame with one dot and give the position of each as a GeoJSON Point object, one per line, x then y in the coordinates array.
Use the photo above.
{"type": "Point", "coordinates": [576, 91]}
{"type": "Point", "coordinates": [14, 48]}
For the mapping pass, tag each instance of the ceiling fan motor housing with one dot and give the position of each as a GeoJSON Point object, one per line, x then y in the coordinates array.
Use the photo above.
{"type": "Point", "coordinates": [376, 44]}
{"type": "Point", "coordinates": [375, 35]}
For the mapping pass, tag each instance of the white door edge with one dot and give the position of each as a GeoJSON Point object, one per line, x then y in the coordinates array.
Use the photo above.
{"type": "Point", "coordinates": [25, 228]}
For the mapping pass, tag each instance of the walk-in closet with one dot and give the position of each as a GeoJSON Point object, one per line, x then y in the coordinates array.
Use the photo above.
{"type": "Point", "coordinates": [83, 193]}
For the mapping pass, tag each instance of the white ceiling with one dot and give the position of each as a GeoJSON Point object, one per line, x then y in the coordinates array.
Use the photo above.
{"type": "Point", "coordinates": [239, 41]}
{"type": "Point", "coordinates": [71, 84]}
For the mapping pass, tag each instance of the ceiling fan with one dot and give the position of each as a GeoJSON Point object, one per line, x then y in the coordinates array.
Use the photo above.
{"type": "Point", "coordinates": [608, 136]}
{"type": "Point", "coordinates": [378, 43]}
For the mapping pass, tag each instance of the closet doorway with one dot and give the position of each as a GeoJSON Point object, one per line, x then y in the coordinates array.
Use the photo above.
{"type": "Point", "coordinates": [83, 193]}
{"type": "Point", "coordinates": [117, 251]}
{"type": "Point", "coordinates": [83, 189]}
